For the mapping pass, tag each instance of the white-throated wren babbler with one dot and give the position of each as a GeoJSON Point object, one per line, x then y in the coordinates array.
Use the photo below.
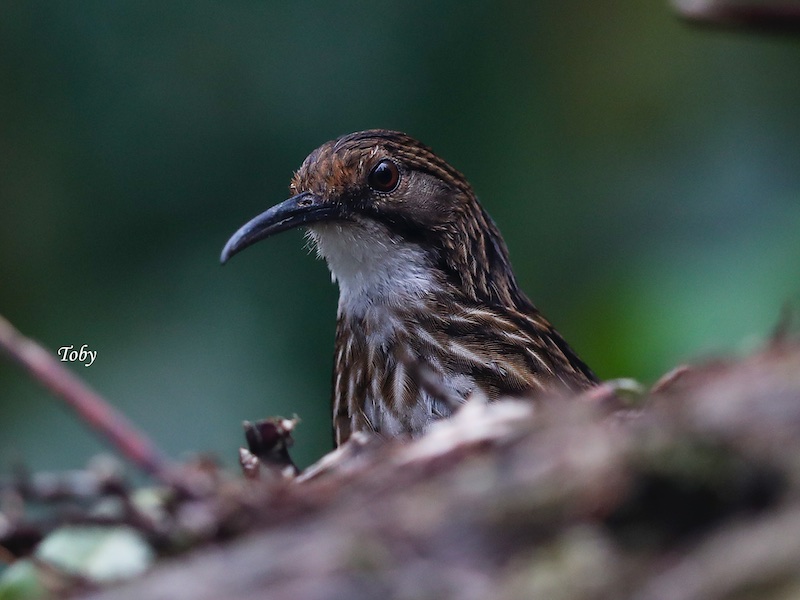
{"type": "Point", "coordinates": [429, 308]}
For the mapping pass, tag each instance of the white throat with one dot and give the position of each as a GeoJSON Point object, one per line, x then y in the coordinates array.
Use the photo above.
{"type": "Point", "coordinates": [371, 268]}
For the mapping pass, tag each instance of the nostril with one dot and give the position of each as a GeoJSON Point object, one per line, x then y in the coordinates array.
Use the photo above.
{"type": "Point", "coordinates": [305, 202]}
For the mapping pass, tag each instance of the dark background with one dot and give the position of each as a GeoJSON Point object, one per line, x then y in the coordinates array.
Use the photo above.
{"type": "Point", "coordinates": [644, 174]}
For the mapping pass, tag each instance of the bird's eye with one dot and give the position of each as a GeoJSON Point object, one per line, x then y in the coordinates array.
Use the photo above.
{"type": "Point", "coordinates": [384, 176]}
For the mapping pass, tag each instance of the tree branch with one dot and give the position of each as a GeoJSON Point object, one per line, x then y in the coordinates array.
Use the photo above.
{"type": "Point", "coordinates": [779, 16]}
{"type": "Point", "coordinates": [88, 404]}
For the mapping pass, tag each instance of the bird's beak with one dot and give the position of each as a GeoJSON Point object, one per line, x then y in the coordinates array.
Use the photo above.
{"type": "Point", "coordinates": [296, 211]}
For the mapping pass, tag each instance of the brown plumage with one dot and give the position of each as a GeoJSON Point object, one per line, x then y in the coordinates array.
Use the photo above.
{"type": "Point", "coordinates": [429, 308]}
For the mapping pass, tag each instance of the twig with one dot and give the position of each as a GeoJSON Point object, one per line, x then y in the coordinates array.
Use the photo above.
{"type": "Point", "coordinates": [90, 406]}
{"type": "Point", "coordinates": [669, 378]}
{"type": "Point", "coordinates": [777, 16]}
{"type": "Point", "coordinates": [268, 444]}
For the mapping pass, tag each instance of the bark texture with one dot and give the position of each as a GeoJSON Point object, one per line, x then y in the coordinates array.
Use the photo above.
{"type": "Point", "coordinates": [693, 495]}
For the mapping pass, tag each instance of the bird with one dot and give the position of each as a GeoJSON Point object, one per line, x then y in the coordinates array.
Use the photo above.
{"type": "Point", "coordinates": [430, 313]}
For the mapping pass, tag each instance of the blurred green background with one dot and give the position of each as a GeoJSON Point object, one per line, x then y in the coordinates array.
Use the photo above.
{"type": "Point", "coordinates": [645, 174]}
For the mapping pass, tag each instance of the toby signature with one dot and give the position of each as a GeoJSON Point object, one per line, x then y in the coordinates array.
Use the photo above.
{"type": "Point", "coordinates": [68, 354]}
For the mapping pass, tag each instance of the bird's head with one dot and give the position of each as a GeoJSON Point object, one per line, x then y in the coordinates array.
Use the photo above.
{"type": "Point", "coordinates": [390, 216]}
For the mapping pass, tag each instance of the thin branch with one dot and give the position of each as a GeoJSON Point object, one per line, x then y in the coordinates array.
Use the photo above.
{"type": "Point", "coordinates": [88, 404]}
{"type": "Point", "coordinates": [268, 443]}
{"type": "Point", "coordinates": [778, 16]}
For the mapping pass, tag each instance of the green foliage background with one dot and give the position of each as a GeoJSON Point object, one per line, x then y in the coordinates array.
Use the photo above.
{"type": "Point", "coordinates": [644, 174]}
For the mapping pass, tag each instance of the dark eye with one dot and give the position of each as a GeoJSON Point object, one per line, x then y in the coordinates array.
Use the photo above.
{"type": "Point", "coordinates": [384, 176]}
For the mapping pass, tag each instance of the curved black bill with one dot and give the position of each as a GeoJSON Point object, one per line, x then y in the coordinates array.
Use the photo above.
{"type": "Point", "coordinates": [294, 212]}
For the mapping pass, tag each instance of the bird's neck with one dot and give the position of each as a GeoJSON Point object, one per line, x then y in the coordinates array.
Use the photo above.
{"type": "Point", "coordinates": [375, 272]}
{"type": "Point", "coordinates": [475, 256]}
{"type": "Point", "coordinates": [376, 269]}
